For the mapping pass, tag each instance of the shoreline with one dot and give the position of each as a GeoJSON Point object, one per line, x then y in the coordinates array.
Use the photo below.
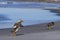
{"type": "Point", "coordinates": [37, 28]}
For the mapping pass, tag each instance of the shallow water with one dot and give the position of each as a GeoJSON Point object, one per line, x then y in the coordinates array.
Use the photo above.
{"type": "Point", "coordinates": [29, 15]}
{"type": "Point", "coordinates": [28, 4]}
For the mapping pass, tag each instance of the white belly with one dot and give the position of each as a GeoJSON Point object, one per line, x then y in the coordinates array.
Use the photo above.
{"type": "Point", "coordinates": [17, 29]}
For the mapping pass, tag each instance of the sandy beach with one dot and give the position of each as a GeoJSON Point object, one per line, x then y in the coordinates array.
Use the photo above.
{"type": "Point", "coordinates": [32, 32]}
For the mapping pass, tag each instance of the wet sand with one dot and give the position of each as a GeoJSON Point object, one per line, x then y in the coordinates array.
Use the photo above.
{"type": "Point", "coordinates": [32, 32]}
{"type": "Point", "coordinates": [36, 28]}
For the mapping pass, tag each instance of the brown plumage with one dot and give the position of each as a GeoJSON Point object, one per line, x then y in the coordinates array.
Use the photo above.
{"type": "Point", "coordinates": [18, 25]}
{"type": "Point", "coordinates": [50, 24]}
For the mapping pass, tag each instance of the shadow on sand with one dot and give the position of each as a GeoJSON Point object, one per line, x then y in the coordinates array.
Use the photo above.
{"type": "Point", "coordinates": [19, 34]}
